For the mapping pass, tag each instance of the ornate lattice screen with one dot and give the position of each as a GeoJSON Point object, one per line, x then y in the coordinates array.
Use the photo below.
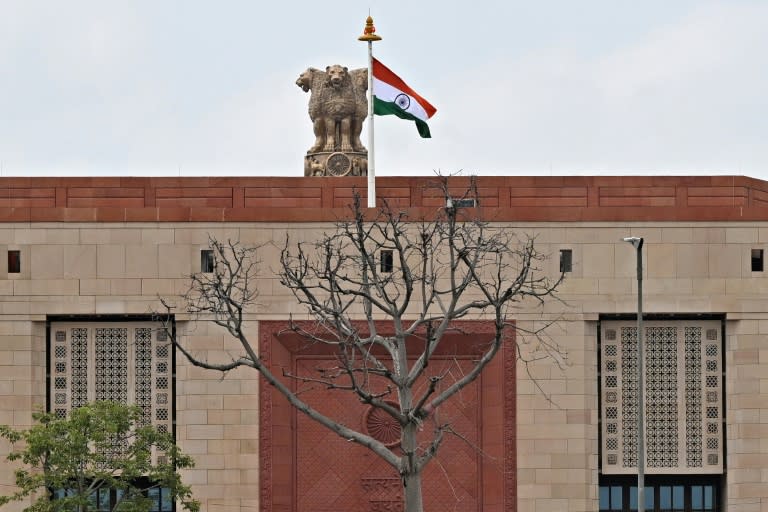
{"type": "Point", "coordinates": [683, 397]}
{"type": "Point", "coordinates": [127, 362]}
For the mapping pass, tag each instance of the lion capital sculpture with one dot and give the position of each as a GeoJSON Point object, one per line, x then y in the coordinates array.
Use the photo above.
{"type": "Point", "coordinates": [337, 107]}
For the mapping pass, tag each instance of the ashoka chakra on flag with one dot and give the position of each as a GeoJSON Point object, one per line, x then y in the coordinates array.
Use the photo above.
{"type": "Point", "coordinates": [392, 96]}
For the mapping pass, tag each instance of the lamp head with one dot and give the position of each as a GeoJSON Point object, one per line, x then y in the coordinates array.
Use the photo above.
{"type": "Point", "coordinates": [636, 241]}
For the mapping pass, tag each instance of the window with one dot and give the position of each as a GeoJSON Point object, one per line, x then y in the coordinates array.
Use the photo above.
{"type": "Point", "coordinates": [683, 397]}
{"type": "Point", "coordinates": [206, 261]}
{"type": "Point", "coordinates": [161, 499]}
{"type": "Point", "coordinates": [703, 497]}
{"type": "Point", "coordinates": [127, 362]}
{"type": "Point", "coordinates": [387, 260]}
{"type": "Point", "coordinates": [662, 494]}
{"type": "Point", "coordinates": [757, 260]}
{"type": "Point", "coordinates": [611, 497]}
{"type": "Point", "coordinates": [104, 499]}
{"type": "Point", "coordinates": [14, 262]}
{"type": "Point", "coordinates": [648, 491]}
{"type": "Point", "coordinates": [566, 260]}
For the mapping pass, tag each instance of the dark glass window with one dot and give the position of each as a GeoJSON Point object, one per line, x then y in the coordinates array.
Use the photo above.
{"type": "Point", "coordinates": [387, 260]}
{"type": "Point", "coordinates": [161, 499]}
{"type": "Point", "coordinates": [669, 493]}
{"type": "Point", "coordinates": [101, 500]}
{"type": "Point", "coordinates": [104, 499]}
{"type": "Point", "coordinates": [206, 261]}
{"type": "Point", "coordinates": [566, 260]}
{"type": "Point", "coordinates": [702, 497]}
{"type": "Point", "coordinates": [757, 260]}
{"type": "Point", "coordinates": [633, 498]}
{"type": "Point", "coordinates": [14, 262]}
{"type": "Point", "coordinates": [611, 497]}
{"type": "Point", "coordinates": [605, 497]}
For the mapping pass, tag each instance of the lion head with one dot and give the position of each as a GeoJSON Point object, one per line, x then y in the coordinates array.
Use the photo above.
{"type": "Point", "coordinates": [305, 79]}
{"type": "Point", "coordinates": [337, 75]}
{"type": "Point", "coordinates": [360, 78]}
{"type": "Point", "coordinates": [312, 78]}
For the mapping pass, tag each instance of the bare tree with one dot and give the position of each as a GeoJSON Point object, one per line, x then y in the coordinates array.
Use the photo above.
{"type": "Point", "coordinates": [419, 276]}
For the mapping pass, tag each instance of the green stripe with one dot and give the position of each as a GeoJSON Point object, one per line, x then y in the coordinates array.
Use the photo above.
{"type": "Point", "coordinates": [386, 108]}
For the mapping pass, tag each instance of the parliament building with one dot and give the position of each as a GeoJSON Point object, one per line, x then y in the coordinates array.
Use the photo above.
{"type": "Point", "coordinates": [84, 262]}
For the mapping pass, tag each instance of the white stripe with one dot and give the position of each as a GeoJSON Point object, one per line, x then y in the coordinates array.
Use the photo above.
{"type": "Point", "coordinates": [386, 92]}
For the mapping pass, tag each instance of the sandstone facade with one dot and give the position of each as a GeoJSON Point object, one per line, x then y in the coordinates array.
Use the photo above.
{"type": "Point", "coordinates": [104, 250]}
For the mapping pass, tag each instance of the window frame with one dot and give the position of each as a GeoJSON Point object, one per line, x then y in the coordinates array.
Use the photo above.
{"type": "Point", "coordinates": [112, 496]}
{"type": "Point", "coordinates": [14, 261]}
{"type": "Point", "coordinates": [386, 261]}
{"type": "Point", "coordinates": [128, 320]}
{"type": "Point", "coordinates": [207, 261]}
{"type": "Point", "coordinates": [651, 320]}
{"type": "Point", "coordinates": [654, 483]}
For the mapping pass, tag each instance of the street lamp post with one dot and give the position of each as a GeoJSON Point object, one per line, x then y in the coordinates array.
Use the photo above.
{"type": "Point", "coordinates": [637, 243]}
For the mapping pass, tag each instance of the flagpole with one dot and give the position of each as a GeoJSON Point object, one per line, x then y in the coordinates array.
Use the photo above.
{"type": "Point", "coordinates": [369, 35]}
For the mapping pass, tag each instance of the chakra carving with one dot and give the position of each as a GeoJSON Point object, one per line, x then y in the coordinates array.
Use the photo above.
{"type": "Point", "coordinates": [337, 108]}
{"type": "Point", "coordinates": [381, 426]}
{"type": "Point", "coordinates": [338, 164]}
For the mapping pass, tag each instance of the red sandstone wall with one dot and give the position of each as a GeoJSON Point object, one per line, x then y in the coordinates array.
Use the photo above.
{"type": "Point", "coordinates": [336, 473]}
{"type": "Point", "coordinates": [545, 198]}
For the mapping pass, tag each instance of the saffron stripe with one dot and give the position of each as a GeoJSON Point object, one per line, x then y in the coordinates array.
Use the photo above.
{"type": "Point", "coordinates": [383, 73]}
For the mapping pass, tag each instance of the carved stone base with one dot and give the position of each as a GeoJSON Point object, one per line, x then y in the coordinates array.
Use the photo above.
{"type": "Point", "coordinates": [326, 163]}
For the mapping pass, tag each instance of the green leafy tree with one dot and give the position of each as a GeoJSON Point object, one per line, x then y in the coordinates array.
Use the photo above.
{"type": "Point", "coordinates": [99, 451]}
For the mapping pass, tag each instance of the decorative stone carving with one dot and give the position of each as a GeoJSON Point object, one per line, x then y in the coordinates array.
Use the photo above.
{"type": "Point", "coordinates": [369, 484]}
{"type": "Point", "coordinates": [386, 506]}
{"type": "Point", "coordinates": [383, 493]}
{"type": "Point", "coordinates": [337, 108]}
{"type": "Point", "coordinates": [381, 486]}
{"type": "Point", "coordinates": [381, 426]}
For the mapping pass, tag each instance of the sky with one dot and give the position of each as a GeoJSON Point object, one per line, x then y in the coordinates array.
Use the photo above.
{"type": "Point", "coordinates": [546, 87]}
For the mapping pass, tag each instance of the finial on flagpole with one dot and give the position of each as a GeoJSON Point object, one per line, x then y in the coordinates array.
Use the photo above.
{"type": "Point", "coordinates": [369, 36]}
{"type": "Point", "coordinates": [369, 32]}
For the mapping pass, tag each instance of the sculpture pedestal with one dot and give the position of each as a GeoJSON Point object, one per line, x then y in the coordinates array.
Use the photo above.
{"type": "Point", "coordinates": [336, 163]}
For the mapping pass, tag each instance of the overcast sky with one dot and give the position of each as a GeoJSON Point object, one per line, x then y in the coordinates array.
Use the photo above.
{"type": "Point", "coordinates": [168, 87]}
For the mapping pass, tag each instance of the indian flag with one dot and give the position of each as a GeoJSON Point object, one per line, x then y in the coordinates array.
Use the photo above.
{"type": "Point", "coordinates": [392, 96]}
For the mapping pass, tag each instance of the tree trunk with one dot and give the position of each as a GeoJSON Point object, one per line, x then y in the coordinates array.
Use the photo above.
{"type": "Point", "coordinates": [408, 443]}
{"type": "Point", "coordinates": [412, 493]}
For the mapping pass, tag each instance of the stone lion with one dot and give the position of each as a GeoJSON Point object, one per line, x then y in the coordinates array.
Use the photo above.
{"type": "Point", "coordinates": [360, 84]}
{"type": "Point", "coordinates": [314, 167]}
{"type": "Point", "coordinates": [334, 107]}
{"type": "Point", "coordinates": [338, 100]}
{"type": "Point", "coordinates": [314, 80]}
